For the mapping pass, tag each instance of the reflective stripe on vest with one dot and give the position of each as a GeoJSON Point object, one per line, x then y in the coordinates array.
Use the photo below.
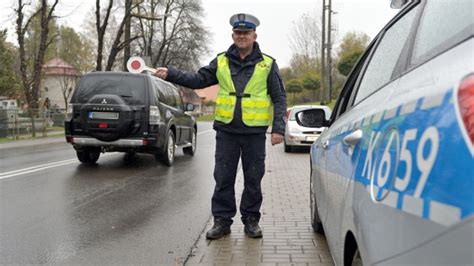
{"type": "Point", "coordinates": [256, 103]}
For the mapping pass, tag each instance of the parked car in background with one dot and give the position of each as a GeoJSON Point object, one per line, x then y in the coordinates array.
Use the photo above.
{"type": "Point", "coordinates": [118, 111]}
{"type": "Point", "coordinates": [297, 135]}
{"type": "Point", "coordinates": [392, 177]}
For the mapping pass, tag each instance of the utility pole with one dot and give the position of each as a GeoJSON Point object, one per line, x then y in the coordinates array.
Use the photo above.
{"type": "Point", "coordinates": [323, 55]}
{"type": "Point", "coordinates": [326, 56]}
{"type": "Point", "coordinates": [329, 55]}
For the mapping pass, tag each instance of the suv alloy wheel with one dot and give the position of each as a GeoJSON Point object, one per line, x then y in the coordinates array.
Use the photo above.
{"type": "Point", "coordinates": [167, 155]}
{"type": "Point", "coordinates": [192, 149]}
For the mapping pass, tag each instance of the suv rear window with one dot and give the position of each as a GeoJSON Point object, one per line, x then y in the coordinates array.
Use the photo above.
{"type": "Point", "coordinates": [130, 88]}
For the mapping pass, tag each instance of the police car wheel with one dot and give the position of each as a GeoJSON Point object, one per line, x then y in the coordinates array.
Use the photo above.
{"type": "Point", "coordinates": [315, 221]}
{"type": "Point", "coordinates": [191, 150]}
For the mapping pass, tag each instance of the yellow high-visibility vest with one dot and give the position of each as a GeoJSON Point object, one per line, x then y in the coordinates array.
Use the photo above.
{"type": "Point", "coordinates": [256, 103]}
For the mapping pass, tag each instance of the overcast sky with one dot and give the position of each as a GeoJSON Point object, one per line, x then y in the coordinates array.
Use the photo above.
{"type": "Point", "coordinates": [276, 20]}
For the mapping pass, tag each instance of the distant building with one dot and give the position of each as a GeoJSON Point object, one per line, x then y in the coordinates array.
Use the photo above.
{"type": "Point", "coordinates": [208, 96]}
{"type": "Point", "coordinates": [58, 76]}
{"type": "Point", "coordinates": [7, 103]}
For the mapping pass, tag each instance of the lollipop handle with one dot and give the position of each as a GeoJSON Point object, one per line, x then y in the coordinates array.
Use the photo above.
{"type": "Point", "coordinates": [149, 69]}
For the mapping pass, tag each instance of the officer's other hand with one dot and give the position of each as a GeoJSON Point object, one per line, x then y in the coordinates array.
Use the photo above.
{"type": "Point", "coordinates": [277, 138]}
{"type": "Point", "coordinates": [161, 72]}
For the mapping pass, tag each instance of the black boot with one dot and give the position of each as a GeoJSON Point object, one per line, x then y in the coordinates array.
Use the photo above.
{"type": "Point", "coordinates": [220, 229]}
{"type": "Point", "coordinates": [251, 227]}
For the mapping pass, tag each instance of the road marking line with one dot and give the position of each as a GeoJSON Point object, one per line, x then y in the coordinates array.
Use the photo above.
{"type": "Point", "coordinates": [40, 167]}
{"type": "Point", "coordinates": [35, 170]}
{"type": "Point", "coordinates": [34, 167]}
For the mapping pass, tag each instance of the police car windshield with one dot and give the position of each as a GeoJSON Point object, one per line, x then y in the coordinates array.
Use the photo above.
{"type": "Point", "coordinates": [130, 88]}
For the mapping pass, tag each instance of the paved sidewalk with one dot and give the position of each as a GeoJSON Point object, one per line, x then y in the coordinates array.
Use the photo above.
{"type": "Point", "coordinates": [288, 238]}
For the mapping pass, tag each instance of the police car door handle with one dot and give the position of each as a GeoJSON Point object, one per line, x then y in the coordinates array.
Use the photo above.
{"type": "Point", "coordinates": [353, 138]}
{"type": "Point", "coordinates": [325, 144]}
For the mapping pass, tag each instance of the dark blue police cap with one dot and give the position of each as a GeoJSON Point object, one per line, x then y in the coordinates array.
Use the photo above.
{"type": "Point", "coordinates": [244, 22]}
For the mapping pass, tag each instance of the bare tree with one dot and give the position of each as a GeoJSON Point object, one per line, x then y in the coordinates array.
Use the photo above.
{"type": "Point", "coordinates": [101, 27]}
{"type": "Point", "coordinates": [305, 37]}
{"type": "Point", "coordinates": [178, 38]}
{"type": "Point", "coordinates": [163, 31]}
{"type": "Point", "coordinates": [120, 42]}
{"type": "Point", "coordinates": [31, 78]}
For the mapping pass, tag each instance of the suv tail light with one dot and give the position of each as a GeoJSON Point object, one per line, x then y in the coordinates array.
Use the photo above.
{"type": "Point", "coordinates": [154, 115]}
{"type": "Point", "coordinates": [466, 104]}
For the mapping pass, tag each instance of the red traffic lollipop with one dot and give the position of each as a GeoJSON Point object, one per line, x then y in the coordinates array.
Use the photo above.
{"type": "Point", "coordinates": [137, 65]}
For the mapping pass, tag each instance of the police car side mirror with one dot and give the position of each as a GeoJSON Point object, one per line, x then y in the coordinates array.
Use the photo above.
{"type": "Point", "coordinates": [311, 118]}
{"type": "Point", "coordinates": [188, 107]}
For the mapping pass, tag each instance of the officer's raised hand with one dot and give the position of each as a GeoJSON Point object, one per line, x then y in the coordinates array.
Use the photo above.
{"type": "Point", "coordinates": [161, 72]}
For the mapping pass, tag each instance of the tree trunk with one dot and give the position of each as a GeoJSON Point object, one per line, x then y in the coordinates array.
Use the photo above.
{"type": "Point", "coordinates": [31, 85]}
{"type": "Point", "coordinates": [116, 46]}
{"type": "Point", "coordinates": [101, 28]}
{"type": "Point", "coordinates": [126, 50]}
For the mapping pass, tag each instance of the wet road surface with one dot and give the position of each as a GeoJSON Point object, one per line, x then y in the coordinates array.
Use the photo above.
{"type": "Point", "coordinates": [55, 210]}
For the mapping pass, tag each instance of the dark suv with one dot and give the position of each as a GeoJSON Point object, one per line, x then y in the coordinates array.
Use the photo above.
{"type": "Point", "coordinates": [119, 111]}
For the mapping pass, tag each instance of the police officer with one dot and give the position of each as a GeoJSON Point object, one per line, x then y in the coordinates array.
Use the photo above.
{"type": "Point", "coordinates": [250, 91]}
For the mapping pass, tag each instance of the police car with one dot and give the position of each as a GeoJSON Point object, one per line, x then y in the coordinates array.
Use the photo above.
{"type": "Point", "coordinates": [392, 176]}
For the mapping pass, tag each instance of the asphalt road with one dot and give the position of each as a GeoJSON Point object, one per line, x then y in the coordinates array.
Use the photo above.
{"type": "Point", "coordinates": [55, 210]}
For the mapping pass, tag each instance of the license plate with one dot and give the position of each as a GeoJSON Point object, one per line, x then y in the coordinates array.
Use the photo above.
{"type": "Point", "coordinates": [103, 115]}
{"type": "Point", "coordinates": [311, 138]}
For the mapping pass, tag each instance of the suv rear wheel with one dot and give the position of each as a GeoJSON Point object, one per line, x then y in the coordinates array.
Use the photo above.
{"type": "Point", "coordinates": [88, 155]}
{"type": "Point", "coordinates": [167, 155]}
{"type": "Point", "coordinates": [192, 149]}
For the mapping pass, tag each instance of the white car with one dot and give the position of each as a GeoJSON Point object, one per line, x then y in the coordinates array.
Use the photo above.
{"type": "Point", "coordinates": [392, 178]}
{"type": "Point", "coordinates": [296, 135]}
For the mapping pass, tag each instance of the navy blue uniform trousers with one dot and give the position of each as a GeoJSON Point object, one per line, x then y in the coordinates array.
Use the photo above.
{"type": "Point", "coordinates": [229, 149]}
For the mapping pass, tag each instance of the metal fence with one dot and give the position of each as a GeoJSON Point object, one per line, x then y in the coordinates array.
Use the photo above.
{"type": "Point", "coordinates": [16, 123]}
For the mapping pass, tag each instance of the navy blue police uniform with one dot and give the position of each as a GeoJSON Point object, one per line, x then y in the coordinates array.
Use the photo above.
{"type": "Point", "coordinates": [237, 140]}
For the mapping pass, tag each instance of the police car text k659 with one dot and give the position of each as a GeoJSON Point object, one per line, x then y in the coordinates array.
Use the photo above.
{"type": "Point", "coordinates": [392, 176]}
